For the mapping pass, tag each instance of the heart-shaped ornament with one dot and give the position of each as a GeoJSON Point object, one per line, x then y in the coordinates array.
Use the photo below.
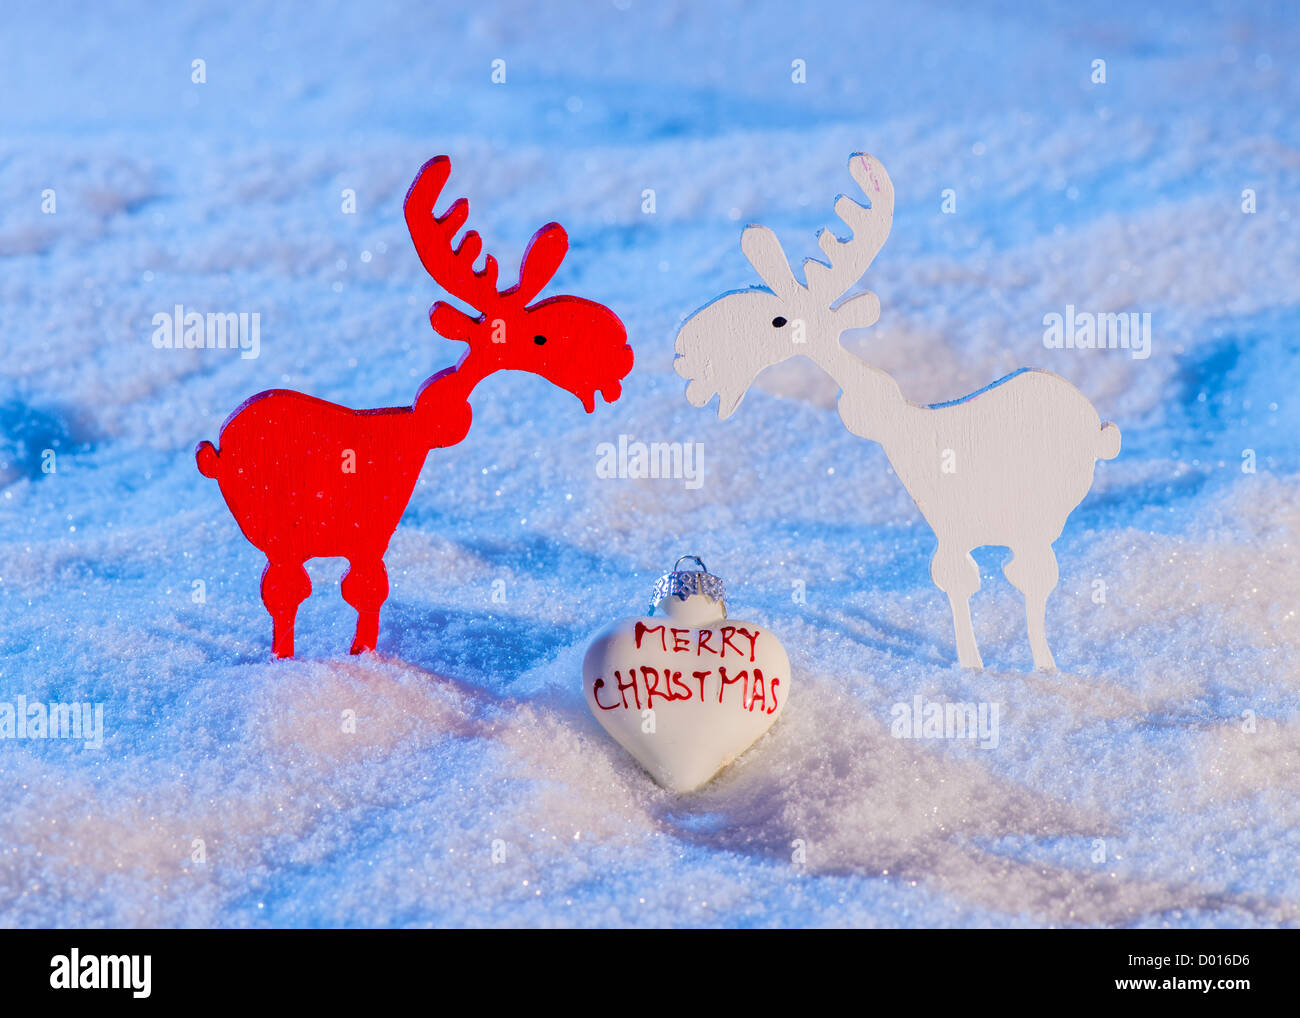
{"type": "Point", "coordinates": [686, 690]}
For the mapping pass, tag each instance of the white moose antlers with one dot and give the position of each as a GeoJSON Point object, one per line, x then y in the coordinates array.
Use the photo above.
{"type": "Point", "coordinates": [1003, 466]}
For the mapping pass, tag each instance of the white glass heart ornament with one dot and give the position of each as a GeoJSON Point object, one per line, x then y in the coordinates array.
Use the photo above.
{"type": "Point", "coordinates": [686, 690]}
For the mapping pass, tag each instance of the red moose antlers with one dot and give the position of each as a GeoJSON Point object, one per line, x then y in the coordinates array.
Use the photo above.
{"type": "Point", "coordinates": [305, 478]}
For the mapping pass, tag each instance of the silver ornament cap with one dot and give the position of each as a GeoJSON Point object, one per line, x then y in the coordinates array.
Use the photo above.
{"type": "Point", "coordinates": [682, 584]}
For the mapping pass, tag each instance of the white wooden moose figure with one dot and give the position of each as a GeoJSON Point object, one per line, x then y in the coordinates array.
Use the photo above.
{"type": "Point", "coordinates": [1003, 466]}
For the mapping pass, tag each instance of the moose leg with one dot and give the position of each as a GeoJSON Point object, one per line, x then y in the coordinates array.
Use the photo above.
{"type": "Point", "coordinates": [365, 587]}
{"type": "Point", "coordinates": [1032, 571]}
{"type": "Point", "coordinates": [956, 574]}
{"type": "Point", "coordinates": [285, 585]}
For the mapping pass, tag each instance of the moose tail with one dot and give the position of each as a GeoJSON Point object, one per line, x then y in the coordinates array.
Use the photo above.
{"type": "Point", "coordinates": [1109, 447]}
{"type": "Point", "coordinates": [206, 455]}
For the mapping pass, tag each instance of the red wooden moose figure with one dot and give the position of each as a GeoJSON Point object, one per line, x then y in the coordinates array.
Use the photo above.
{"type": "Point", "coordinates": [305, 478]}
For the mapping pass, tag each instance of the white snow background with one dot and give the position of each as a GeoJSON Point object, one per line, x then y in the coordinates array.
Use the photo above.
{"type": "Point", "coordinates": [472, 730]}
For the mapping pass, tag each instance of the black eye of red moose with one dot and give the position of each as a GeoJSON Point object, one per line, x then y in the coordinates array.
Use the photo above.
{"type": "Point", "coordinates": [777, 322]}
{"type": "Point", "coordinates": [539, 340]}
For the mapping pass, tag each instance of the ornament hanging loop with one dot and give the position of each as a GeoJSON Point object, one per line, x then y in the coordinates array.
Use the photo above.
{"type": "Point", "coordinates": [683, 583]}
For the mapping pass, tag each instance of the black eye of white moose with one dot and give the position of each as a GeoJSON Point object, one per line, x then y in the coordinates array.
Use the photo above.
{"type": "Point", "coordinates": [777, 322]}
{"type": "Point", "coordinates": [539, 340]}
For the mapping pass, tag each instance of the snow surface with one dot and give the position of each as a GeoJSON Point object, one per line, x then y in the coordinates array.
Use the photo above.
{"type": "Point", "coordinates": [472, 732]}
